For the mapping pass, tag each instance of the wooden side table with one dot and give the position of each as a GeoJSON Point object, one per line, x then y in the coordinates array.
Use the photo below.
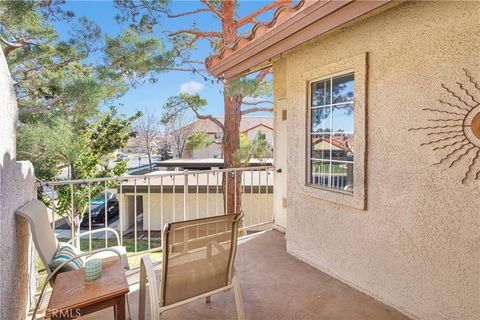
{"type": "Point", "coordinates": [73, 297]}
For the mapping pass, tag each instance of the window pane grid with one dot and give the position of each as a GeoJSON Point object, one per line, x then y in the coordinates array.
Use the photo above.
{"type": "Point", "coordinates": [331, 105]}
{"type": "Point", "coordinates": [331, 132]}
{"type": "Point", "coordinates": [331, 142]}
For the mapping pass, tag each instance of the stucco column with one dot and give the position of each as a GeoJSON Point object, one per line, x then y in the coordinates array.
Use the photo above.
{"type": "Point", "coordinates": [17, 186]}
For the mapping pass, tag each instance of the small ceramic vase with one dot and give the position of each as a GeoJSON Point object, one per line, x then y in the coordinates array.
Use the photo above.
{"type": "Point", "coordinates": [93, 269]}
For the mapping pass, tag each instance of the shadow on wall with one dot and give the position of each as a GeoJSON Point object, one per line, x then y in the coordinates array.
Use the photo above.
{"type": "Point", "coordinates": [17, 256]}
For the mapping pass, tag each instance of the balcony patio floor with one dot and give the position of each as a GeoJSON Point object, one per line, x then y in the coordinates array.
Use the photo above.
{"type": "Point", "coordinates": [275, 285]}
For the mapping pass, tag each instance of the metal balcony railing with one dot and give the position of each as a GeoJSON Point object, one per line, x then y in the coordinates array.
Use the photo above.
{"type": "Point", "coordinates": [137, 207]}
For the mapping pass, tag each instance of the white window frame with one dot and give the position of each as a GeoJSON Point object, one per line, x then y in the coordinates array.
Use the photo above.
{"type": "Point", "coordinates": [358, 66]}
{"type": "Point", "coordinates": [309, 141]}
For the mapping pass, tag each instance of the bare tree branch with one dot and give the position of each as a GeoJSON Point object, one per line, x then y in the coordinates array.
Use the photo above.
{"type": "Point", "coordinates": [148, 128]}
{"type": "Point", "coordinates": [258, 109]}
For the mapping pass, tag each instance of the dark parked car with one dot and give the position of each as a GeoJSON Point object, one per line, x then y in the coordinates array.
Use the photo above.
{"type": "Point", "coordinates": [98, 209]}
{"type": "Point", "coordinates": [121, 158]}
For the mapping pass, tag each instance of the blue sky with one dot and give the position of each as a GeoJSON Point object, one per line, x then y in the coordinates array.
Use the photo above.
{"type": "Point", "coordinates": [150, 97]}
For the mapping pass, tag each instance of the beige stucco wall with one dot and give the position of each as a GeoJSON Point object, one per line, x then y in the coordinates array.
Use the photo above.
{"type": "Point", "coordinates": [17, 257]}
{"type": "Point", "coordinates": [416, 246]}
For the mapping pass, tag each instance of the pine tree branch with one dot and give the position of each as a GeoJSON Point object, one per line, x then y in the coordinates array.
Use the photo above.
{"type": "Point", "coordinates": [247, 103]}
{"type": "Point", "coordinates": [49, 67]}
{"type": "Point", "coordinates": [187, 13]}
{"type": "Point", "coordinates": [202, 34]}
{"type": "Point", "coordinates": [42, 107]}
{"type": "Point", "coordinates": [184, 69]}
{"type": "Point", "coordinates": [194, 61]}
{"type": "Point", "coordinates": [183, 106]}
{"type": "Point", "coordinates": [10, 46]}
{"type": "Point", "coordinates": [257, 109]}
{"type": "Point", "coordinates": [209, 117]}
{"type": "Point", "coordinates": [213, 9]}
{"type": "Point", "coordinates": [262, 74]}
{"type": "Point", "coordinates": [251, 17]}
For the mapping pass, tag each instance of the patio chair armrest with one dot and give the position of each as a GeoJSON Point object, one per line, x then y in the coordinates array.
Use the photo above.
{"type": "Point", "coordinates": [96, 231]}
{"type": "Point", "coordinates": [148, 279]}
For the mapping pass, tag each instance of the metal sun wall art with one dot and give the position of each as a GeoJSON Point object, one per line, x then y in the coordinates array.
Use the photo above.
{"type": "Point", "coordinates": [456, 125]}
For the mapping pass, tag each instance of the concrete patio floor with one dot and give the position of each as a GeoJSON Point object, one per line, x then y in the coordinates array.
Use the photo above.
{"type": "Point", "coordinates": [275, 285]}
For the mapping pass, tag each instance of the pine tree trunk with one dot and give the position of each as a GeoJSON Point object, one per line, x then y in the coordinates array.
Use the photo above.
{"type": "Point", "coordinates": [231, 136]}
{"type": "Point", "coordinates": [231, 143]}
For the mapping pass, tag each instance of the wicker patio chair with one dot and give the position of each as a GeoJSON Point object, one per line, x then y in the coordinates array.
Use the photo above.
{"type": "Point", "coordinates": [198, 262]}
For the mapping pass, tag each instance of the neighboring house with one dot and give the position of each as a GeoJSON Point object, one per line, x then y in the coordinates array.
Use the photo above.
{"type": "Point", "coordinates": [402, 80]}
{"type": "Point", "coordinates": [134, 145]}
{"type": "Point", "coordinates": [249, 126]}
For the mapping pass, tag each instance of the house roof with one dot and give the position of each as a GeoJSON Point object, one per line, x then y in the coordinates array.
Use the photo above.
{"type": "Point", "coordinates": [247, 123]}
{"type": "Point", "coordinates": [291, 26]}
{"type": "Point", "coordinates": [135, 142]}
{"type": "Point", "coordinates": [334, 142]}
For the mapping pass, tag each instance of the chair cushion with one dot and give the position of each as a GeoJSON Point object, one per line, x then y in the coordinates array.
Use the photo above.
{"type": "Point", "coordinates": [110, 255]}
{"type": "Point", "coordinates": [66, 251]}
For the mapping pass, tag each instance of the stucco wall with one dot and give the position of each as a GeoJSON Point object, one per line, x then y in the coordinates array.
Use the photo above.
{"type": "Point", "coordinates": [416, 246]}
{"type": "Point", "coordinates": [212, 151]}
{"type": "Point", "coordinates": [16, 187]}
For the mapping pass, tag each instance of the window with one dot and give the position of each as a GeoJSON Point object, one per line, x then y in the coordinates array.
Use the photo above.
{"type": "Point", "coordinates": [331, 138]}
{"type": "Point", "coordinates": [217, 136]}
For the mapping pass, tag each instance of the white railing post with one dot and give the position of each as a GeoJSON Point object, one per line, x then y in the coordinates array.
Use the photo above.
{"type": "Point", "coordinates": [185, 195]}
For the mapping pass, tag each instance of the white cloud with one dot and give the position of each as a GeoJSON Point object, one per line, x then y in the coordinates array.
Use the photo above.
{"type": "Point", "coordinates": [191, 87]}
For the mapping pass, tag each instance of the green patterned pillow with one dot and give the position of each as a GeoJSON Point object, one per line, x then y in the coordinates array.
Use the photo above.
{"type": "Point", "coordinates": [66, 251]}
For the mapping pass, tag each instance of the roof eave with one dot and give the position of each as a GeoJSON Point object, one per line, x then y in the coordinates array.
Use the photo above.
{"type": "Point", "coordinates": [315, 20]}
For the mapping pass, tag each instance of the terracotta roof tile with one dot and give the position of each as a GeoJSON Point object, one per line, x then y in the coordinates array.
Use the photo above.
{"type": "Point", "coordinates": [282, 14]}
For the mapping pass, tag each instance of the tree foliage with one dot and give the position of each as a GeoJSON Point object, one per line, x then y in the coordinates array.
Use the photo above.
{"type": "Point", "coordinates": [198, 140]}
{"type": "Point", "coordinates": [186, 102]}
{"type": "Point", "coordinates": [258, 149]}
{"type": "Point", "coordinates": [54, 73]}
{"type": "Point", "coordinates": [56, 143]}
